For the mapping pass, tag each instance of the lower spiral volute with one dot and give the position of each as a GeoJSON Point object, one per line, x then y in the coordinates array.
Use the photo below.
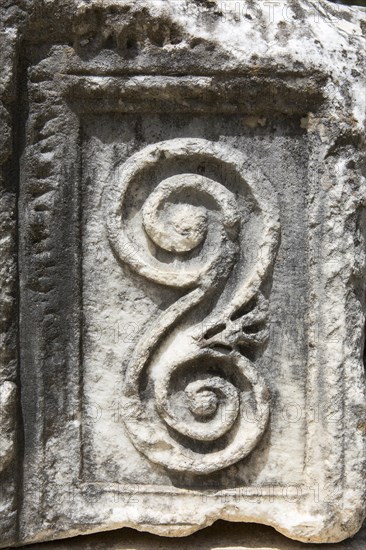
{"type": "Point", "coordinates": [210, 411]}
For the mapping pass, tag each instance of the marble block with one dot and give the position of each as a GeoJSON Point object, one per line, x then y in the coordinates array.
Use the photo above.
{"type": "Point", "coordinates": [182, 267]}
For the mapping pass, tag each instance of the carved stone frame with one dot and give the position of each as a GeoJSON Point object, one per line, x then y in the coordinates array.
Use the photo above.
{"type": "Point", "coordinates": [50, 318]}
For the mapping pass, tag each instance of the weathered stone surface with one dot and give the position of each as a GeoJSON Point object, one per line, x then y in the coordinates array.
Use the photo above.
{"type": "Point", "coordinates": [183, 268]}
{"type": "Point", "coordinates": [220, 536]}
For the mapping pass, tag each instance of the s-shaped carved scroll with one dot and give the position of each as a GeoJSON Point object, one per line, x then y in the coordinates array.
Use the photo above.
{"type": "Point", "coordinates": [195, 403]}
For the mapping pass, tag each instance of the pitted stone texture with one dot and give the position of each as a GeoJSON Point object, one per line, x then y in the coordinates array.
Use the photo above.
{"type": "Point", "coordinates": [8, 414]}
{"type": "Point", "coordinates": [183, 210]}
{"type": "Point", "coordinates": [220, 536]}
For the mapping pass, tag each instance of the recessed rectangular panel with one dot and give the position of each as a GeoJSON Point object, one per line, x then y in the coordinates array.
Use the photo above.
{"type": "Point", "coordinates": [123, 304]}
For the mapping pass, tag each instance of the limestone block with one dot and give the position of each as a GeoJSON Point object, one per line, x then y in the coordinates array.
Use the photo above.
{"type": "Point", "coordinates": [220, 536]}
{"type": "Point", "coordinates": [183, 223]}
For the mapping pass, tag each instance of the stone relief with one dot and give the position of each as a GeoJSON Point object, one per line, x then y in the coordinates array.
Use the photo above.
{"type": "Point", "coordinates": [212, 394]}
{"type": "Point", "coordinates": [196, 171]}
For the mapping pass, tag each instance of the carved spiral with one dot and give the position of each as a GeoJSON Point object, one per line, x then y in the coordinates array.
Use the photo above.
{"type": "Point", "coordinates": [180, 228]}
{"type": "Point", "coordinates": [190, 408]}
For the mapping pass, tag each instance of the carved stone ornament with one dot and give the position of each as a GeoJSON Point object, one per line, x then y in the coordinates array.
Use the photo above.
{"type": "Point", "coordinates": [182, 267]}
{"type": "Point", "coordinates": [206, 404]}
